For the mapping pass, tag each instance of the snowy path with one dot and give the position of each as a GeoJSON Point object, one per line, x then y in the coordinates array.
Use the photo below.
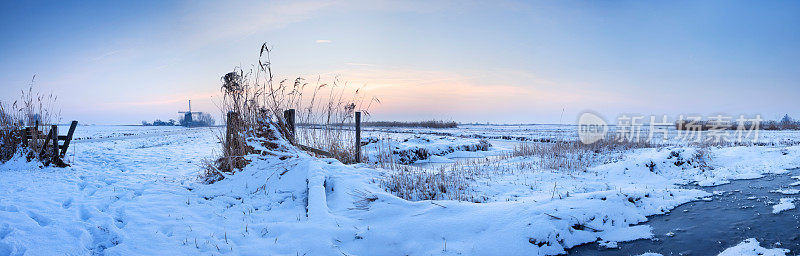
{"type": "Point", "coordinates": [118, 193]}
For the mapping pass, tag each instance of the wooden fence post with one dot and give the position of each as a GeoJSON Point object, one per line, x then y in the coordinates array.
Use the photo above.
{"type": "Point", "coordinates": [358, 137]}
{"type": "Point", "coordinates": [25, 133]}
{"type": "Point", "coordinates": [35, 135]}
{"type": "Point", "coordinates": [231, 131]}
{"type": "Point", "coordinates": [43, 146]}
{"type": "Point", "coordinates": [289, 116]}
{"type": "Point", "coordinates": [69, 137]}
{"type": "Point", "coordinates": [54, 128]}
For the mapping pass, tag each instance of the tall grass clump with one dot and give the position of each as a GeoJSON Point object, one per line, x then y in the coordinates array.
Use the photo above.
{"type": "Point", "coordinates": [10, 134]}
{"type": "Point", "coordinates": [32, 109]}
{"type": "Point", "coordinates": [412, 183]}
{"type": "Point", "coordinates": [572, 155]}
{"type": "Point", "coordinates": [258, 101]}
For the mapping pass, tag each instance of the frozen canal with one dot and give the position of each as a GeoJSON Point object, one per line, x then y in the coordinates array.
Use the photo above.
{"type": "Point", "coordinates": [739, 210]}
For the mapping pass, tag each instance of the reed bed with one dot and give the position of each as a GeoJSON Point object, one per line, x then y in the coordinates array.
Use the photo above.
{"type": "Point", "coordinates": [32, 109]}
{"type": "Point", "coordinates": [415, 184]}
{"type": "Point", "coordinates": [573, 155]}
{"type": "Point", "coordinates": [258, 101]}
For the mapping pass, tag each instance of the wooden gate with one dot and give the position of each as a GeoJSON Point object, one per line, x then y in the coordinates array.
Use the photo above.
{"type": "Point", "coordinates": [49, 150]}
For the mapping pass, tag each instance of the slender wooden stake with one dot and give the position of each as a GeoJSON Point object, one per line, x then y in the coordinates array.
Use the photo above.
{"type": "Point", "coordinates": [35, 135]}
{"type": "Point", "coordinates": [44, 145]}
{"type": "Point", "coordinates": [25, 134]}
{"type": "Point", "coordinates": [232, 135]}
{"type": "Point", "coordinates": [69, 137]}
{"type": "Point", "coordinates": [54, 128]}
{"type": "Point", "coordinates": [288, 115]}
{"type": "Point", "coordinates": [358, 137]}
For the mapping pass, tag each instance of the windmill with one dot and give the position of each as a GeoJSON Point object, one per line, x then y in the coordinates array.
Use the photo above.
{"type": "Point", "coordinates": [187, 116]}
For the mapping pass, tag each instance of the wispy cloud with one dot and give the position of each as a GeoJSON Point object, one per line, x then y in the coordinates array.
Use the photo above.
{"type": "Point", "coordinates": [360, 64]}
{"type": "Point", "coordinates": [323, 41]}
{"type": "Point", "coordinates": [214, 21]}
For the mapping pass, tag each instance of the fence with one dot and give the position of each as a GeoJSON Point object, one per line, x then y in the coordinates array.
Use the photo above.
{"type": "Point", "coordinates": [48, 147]}
{"type": "Point", "coordinates": [289, 116]}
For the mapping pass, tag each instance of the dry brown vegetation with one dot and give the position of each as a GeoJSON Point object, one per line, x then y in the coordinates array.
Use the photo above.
{"type": "Point", "coordinates": [259, 101]}
{"type": "Point", "coordinates": [31, 109]}
{"type": "Point", "coordinates": [575, 155]}
{"type": "Point", "coordinates": [413, 183]}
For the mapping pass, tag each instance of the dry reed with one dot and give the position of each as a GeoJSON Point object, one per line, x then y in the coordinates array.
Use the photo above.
{"type": "Point", "coordinates": [258, 102]}
{"type": "Point", "coordinates": [32, 109]}
{"type": "Point", "coordinates": [572, 155]}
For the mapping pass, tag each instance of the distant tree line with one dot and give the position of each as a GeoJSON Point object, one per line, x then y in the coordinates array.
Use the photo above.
{"type": "Point", "coordinates": [418, 124]}
{"type": "Point", "coordinates": [786, 123]}
{"type": "Point", "coordinates": [158, 122]}
{"type": "Point", "coordinates": [199, 119]}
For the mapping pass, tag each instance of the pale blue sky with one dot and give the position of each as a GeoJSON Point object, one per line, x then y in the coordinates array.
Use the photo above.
{"type": "Point", "coordinates": [510, 62]}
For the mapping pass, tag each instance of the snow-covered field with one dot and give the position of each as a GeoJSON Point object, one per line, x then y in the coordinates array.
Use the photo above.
{"type": "Point", "coordinates": [558, 132]}
{"type": "Point", "coordinates": [134, 191]}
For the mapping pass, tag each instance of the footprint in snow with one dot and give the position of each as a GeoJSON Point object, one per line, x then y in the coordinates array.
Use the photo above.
{"type": "Point", "coordinates": [9, 208]}
{"type": "Point", "coordinates": [82, 185]}
{"type": "Point", "coordinates": [5, 249]}
{"type": "Point", "coordinates": [84, 213]}
{"type": "Point", "coordinates": [103, 237]}
{"type": "Point", "coordinates": [67, 203]}
{"type": "Point", "coordinates": [92, 190]}
{"type": "Point", "coordinates": [120, 219]}
{"type": "Point", "coordinates": [5, 229]}
{"type": "Point", "coordinates": [40, 219]}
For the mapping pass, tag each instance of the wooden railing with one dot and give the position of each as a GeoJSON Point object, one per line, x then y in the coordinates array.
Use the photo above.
{"type": "Point", "coordinates": [48, 147]}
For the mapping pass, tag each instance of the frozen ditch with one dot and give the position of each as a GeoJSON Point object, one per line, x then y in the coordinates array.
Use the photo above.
{"type": "Point", "coordinates": [739, 210]}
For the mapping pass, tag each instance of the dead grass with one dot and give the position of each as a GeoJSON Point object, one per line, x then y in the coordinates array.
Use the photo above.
{"type": "Point", "coordinates": [575, 155]}
{"type": "Point", "coordinates": [10, 134]}
{"type": "Point", "coordinates": [258, 101]}
{"type": "Point", "coordinates": [416, 184]}
{"type": "Point", "coordinates": [32, 109]}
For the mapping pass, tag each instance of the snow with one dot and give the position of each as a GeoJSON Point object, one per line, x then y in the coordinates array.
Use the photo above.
{"type": "Point", "coordinates": [420, 148]}
{"type": "Point", "coordinates": [752, 247]}
{"type": "Point", "coordinates": [785, 204]}
{"type": "Point", "coordinates": [138, 194]}
{"type": "Point", "coordinates": [797, 183]}
{"type": "Point", "coordinates": [556, 132]}
{"type": "Point", "coordinates": [786, 191]}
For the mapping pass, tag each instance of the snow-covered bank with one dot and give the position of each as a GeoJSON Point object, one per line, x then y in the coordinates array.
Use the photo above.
{"type": "Point", "coordinates": [301, 199]}
{"type": "Point", "coordinates": [417, 148]}
{"type": "Point", "coordinates": [783, 205]}
{"type": "Point", "coordinates": [752, 247]}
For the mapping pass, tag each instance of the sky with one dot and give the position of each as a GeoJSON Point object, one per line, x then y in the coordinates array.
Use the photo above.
{"type": "Point", "coordinates": [121, 62]}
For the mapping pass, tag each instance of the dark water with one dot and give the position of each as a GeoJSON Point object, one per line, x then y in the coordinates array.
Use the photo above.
{"type": "Point", "coordinates": [709, 227]}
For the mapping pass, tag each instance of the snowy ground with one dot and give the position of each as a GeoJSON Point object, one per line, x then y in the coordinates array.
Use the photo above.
{"type": "Point", "coordinates": [133, 191]}
{"type": "Point", "coordinates": [556, 132]}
